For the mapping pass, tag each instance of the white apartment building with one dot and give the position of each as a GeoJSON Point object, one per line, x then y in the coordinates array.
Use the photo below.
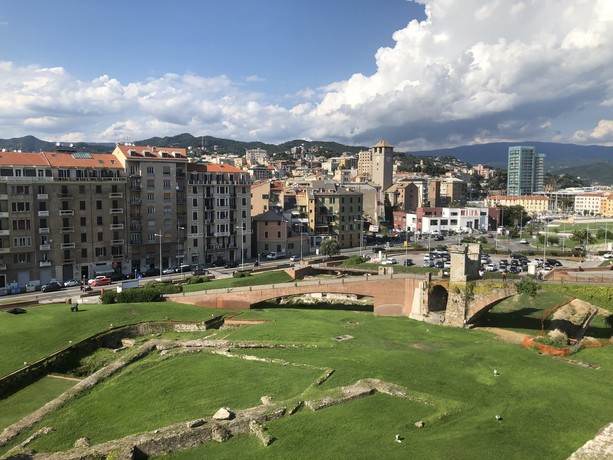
{"type": "Point", "coordinates": [588, 203]}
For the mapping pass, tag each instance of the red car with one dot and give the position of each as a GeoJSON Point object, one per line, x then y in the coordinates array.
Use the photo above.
{"type": "Point", "coordinates": [100, 281]}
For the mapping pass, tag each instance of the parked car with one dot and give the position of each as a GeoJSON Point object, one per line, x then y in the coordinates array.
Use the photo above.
{"type": "Point", "coordinates": [378, 249]}
{"type": "Point", "coordinates": [524, 241]}
{"type": "Point", "coordinates": [491, 267]}
{"type": "Point", "coordinates": [294, 259]}
{"type": "Point", "coordinates": [71, 283]}
{"type": "Point", "coordinates": [152, 271]}
{"type": "Point", "coordinates": [218, 263]}
{"type": "Point", "coordinates": [101, 281]}
{"type": "Point", "coordinates": [447, 264]}
{"type": "Point", "coordinates": [184, 268]}
{"type": "Point", "coordinates": [390, 261]}
{"type": "Point", "coordinates": [439, 264]}
{"type": "Point", "coordinates": [409, 262]}
{"type": "Point", "coordinates": [52, 286]}
{"type": "Point", "coordinates": [554, 262]}
{"type": "Point", "coordinates": [96, 278]}
{"type": "Point", "coordinates": [608, 255]}
{"type": "Point", "coordinates": [231, 264]}
{"type": "Point", "coordinates": [168, 271]}
{"type": "Point", "coordinates": [271, 255]}
{"type": "Point", "coordinates": [514, 269]}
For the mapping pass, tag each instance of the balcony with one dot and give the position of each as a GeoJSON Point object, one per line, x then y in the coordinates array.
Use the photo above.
{"type": "Point", "coordinates": [136, 187]}
{"type": "Point", "coordinates": [5, 232]}
{"type": "Point", "coordinates": [67, 246]}
{"type": "Point", "coordinates": [5, 250]}
{"type": "Point", "coordinates": [42, 196]}
{"type": "Point", "coordinates": [43, 213]}
{"type": "Point", "coordinates": [2, 266]}
{"type": "Point", "coordinates": [222, 234]}
{"type": "Point", "coordinates": [4, 214]}
{"type": "Point", "coordinates": [65, 196]}
{"type": "Point", "coordinates": [116, 226]}
{"type": "Point", "coordinates": [118, 257]}
{"type": "Point", "coordinates": [66, 212]}
{"type": "Point", "coordinates": [44, 263]}
{"type": "Point", "coordinates": [43, 230]}
{"type": "Point", "coordinates": [115, 195]}
{"type": "Point", "coordinates": [136, 216]}
{"type": "Point", "coordinates": [45, 247]}
{"type": "Point", "coordinates": [135, 202]}
{"type": "Point", "coordinates": [116, 242]}
{"type": "Point", "coordinates": [68, 262]}
{"type": "Point", "coordinates": [116, 211]}
{"type": "Point", "coordinates": [67, 229]}
{"type": "Point", "coordinates": [4, 196]}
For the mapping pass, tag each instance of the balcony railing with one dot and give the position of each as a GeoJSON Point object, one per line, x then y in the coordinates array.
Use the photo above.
{"type": "Point", "coordinates": [5, 232]}
{"type": "Point", "coordinates": [116, 211]}
{"type": "Point", "coordinates": [67, 229]}
{"type": "Point", "coordinates": [2, 266]}
{"type": "Point", "coordinates": [4, 214]}
{"type": "Point", "coordinates": [45, 247]}
{"type": "Point", "coordinates": [67, 246]}
{"type": "Point", "coordinates": [4, 196]}
{"type": "Point", "coordinates": [44, 263]}
{"type": "Point", "coordinates": [66, 212]}
{"type": "Point", "coordinates": [118, 257]}
{"type": "Point", "coordinates": [5, 250]}
{"type": "Point", "coordinates": [42, 196]}
{"type": "Point", "coordinates": [65, 196]}
{"type": "Point", "coordinates": [43, 213]}
{"type": "Point", "coordinates": [115, 195]}
{"type": "Point", "coordinates": [116, 242]}
{"type": "Point", "coordinates": [116, 226]}
{"type": "Point", "coordinates": [43, 230]}
{"type": "Point", "coordinates": [68, 261]}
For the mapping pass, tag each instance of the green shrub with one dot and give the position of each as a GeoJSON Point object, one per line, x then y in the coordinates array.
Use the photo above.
{"type": "Point", "coordinates": [198, 280]}
{"type": "Point", "coordinates": [109, 296]}
{"type": "Point", "coordinates": [557, 342]}
{"type": "Point", "coordinates": [147, 294]}
{"type": "Point", "coordinates": [239, 274]}
{"type": "Point", "coordinates": [528, 285]}
{"type": "Point", "coordinates": [165, 287]}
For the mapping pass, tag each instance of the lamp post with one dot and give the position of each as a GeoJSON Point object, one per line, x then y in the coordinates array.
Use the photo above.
{"type": "Point", "coordinates": [161, 235]}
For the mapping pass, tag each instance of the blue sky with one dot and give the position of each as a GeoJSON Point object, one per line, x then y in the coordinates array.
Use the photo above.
{"type": "Point", "coordinates": [421, 74]}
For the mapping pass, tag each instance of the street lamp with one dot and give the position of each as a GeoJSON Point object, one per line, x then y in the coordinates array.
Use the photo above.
{"type": "Point", "coordinates": [161, 235]}
{"type": "Point", "coordinates": [179, 228]}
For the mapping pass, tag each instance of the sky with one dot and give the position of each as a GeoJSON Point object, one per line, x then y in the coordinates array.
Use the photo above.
{"type": "Point", "coordinates": [421, 74]}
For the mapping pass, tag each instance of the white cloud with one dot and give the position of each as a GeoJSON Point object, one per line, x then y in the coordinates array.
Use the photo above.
{"type": "Point", "coordinates": [601, 134]}
{"type": "Point", "coordinates": [472, 71]}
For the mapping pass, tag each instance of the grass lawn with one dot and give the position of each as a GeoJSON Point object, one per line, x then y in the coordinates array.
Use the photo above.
{"type": "Point", "coordinates": [31, 398]}
{"type": "Point", "coordinates": [253, 280]}
{"type": "Point", "coordinates": [549, 407]}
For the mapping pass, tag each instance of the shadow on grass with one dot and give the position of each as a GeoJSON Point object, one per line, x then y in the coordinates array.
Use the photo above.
{"type": "Point", "coordinates": [314, 306]}
{"type": "Point", "coordinates": [516, 319]}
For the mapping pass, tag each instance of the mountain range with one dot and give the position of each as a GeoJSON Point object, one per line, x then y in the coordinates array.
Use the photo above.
{"type": "Point", "coordinates": [591, 162]}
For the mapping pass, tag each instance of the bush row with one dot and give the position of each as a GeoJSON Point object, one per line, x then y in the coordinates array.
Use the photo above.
{"type": "Point", "coordinates": [153, 292]}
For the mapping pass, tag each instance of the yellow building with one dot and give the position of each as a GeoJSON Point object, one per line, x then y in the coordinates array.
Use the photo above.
{"type": "Point", "coordinates": [532, 204]}
{"type": "Point", "coordinates": [606, 205]}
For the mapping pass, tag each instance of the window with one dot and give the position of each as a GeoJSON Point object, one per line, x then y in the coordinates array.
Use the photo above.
{"type": "Point", "coordinates": [22, 258]}
{"type": "Point", "coordinates": [22, 242]}
{"type": "Point", "coordinates": [83, 221]}
{"type": "Point", "coordinates": [84, 253]}
{"type": "Point", "coordinates": [101, 252]}
{"type": "Point", "coordinates": [83, 237]}
{"type": "Point", "coordinates": [278, 234]}
{"type": "Point", "coordinates": [98, 188]}
{"type": "Point", "coordinates": [150, 170]}
{"type": "Point", "coordinates": [98, 204]}
{"type": "Point", "coordinates": [100, 236]}
{"type": "Point", "coordinates": [20, 206]}
{"type": "Point", "coordinates": [21, 224]}
{"type": "Point", "coordinates": [82, 205]}
{"type": "Point", "coordinates": [99, 220]}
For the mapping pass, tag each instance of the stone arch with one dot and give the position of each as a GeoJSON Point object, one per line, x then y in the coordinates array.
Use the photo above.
{"type": "Point", "coordinates": [437, 301]}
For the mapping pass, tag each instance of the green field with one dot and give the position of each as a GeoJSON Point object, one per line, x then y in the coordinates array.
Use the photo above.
{"type": "Point", "coordinates": [549, 407]}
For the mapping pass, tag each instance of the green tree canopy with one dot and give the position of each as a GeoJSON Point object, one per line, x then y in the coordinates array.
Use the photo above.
{"type": "Point", "coordinates": [330, 248]}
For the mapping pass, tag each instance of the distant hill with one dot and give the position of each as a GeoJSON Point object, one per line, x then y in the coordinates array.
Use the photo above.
{"type": "Point", "coordinates": [592, 162]}
{"type": "Point", "coordinates": [558, 156]}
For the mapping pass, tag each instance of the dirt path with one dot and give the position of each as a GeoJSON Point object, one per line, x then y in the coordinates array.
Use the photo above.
{"type": "Point", "coordinates": [63, 377]}
{"type": "Point", "coordinates": [505, 335]}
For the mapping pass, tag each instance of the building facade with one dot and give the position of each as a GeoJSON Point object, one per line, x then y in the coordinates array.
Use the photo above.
{"type": "Point", "coordinates": [525, 172]}
{"type": "Point", "coordinates": [62, 216]}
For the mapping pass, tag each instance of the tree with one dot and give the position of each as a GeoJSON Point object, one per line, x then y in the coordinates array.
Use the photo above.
{"type": "Point", "coordinates": [330, 248]}
{"type": "Point", "coordinates": [527, 286]}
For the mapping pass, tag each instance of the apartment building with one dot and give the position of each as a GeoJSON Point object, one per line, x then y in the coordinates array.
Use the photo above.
{"type": "Point", "coordinates": [606, 205]}
{"type": "Point", "coordinates": [588, 203]}
{"type": "Point", "coordinates": [275, 232]}
{"type": "Point", "coordinates": [256, 156]}
{"type": "Point", "coordinates": [434, 220]}
{"type": "Point", "coordinates": [219, 214]}
{"type": "Point", "coordinates": [334, 212]}
{"type": "Point", "coordinates": [535, 204]}
{"type": "Point", "coordinates": [525, 172]}
{"type": "Point", "coordinates": [156, 197]}
{"type": "Point", "coordinates": [62, 216]}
